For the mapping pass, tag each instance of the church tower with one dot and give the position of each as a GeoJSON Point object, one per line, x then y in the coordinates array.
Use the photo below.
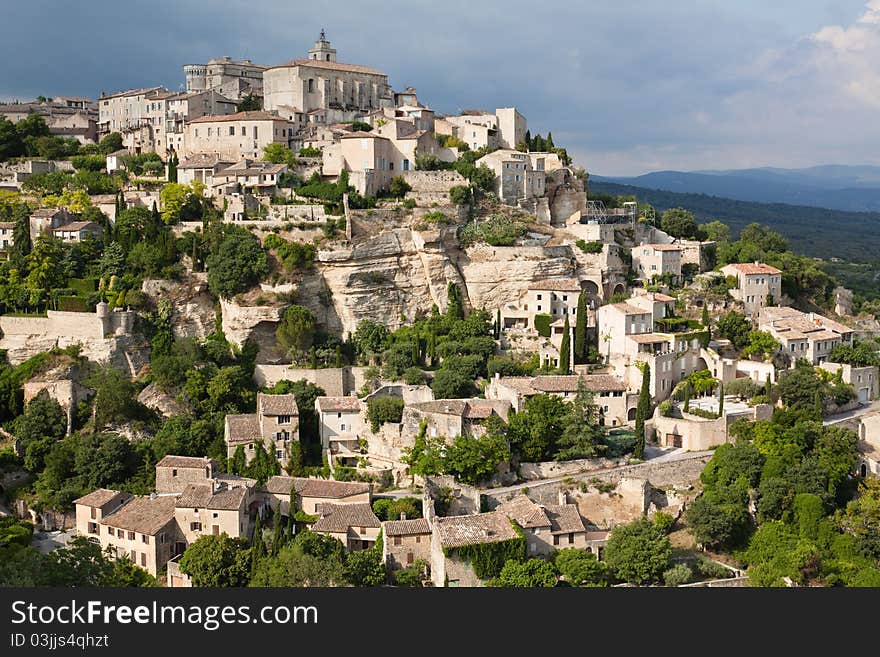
{"type": "Point", "coordinates": [322, 50]}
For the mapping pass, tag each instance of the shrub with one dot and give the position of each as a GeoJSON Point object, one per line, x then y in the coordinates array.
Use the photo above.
{"type": "Point", "coordinates": [678, 575]}
{"type": "Point", "coordinates": [460, 195]}
{"type": "Point", "coordinates": [542, 324]}
{"type": "Point", "coordinates": [589, 247]}
{"type": "Point", "coordinates": [495, 230]}
{"type": "Point", "coordinates": [436, 218]}
{"type": "Point", "coordinates": [384, 409]}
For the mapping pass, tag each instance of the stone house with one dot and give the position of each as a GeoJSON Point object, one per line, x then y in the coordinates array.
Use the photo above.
{"type": "Point", "coordinates": [254, 176]}
{"type": "Point", "coordinates": [182, 108]}
{"type": "Point", "coordinates": [7, 235]}
{"type": "Point", "coordinates": [506, 128]}
{"type": "Point", "coordinates": [804, 335]}
{"type": "Point", "coordinates": [609, 392]}
{"type": "Point", "coordinates": [45, 220]}
{"type": "Point", "coordinates": [144, 530]}
{"type": "Point", "coordinates": [649, 260]}
{"type": "Point", "coordinates": [453, 417]}
{"type": "Point", "coordinates": [547, 527]}
{"type": "Point", "coordinates": [518, 176]}
{"type": "Point", "coordinates": [354, 524]}
{"type": "Point", "coordinates": [201, 167]}
{"type": "Point", "coordinates": [758, 285]}
{"type": "Point", "coordinates": [175, 473]}
{"type": "Point", "coordinates": [77, 231]}
{"type": "Point", "coordinates": [405, 541]}
{"type": "Point", "coordinates": [340, 422]}
{"type": "Point", "coordinates": [125, 111]}
{"type": "Point", "coordinates": [275, 425]}
{"type": "Point", "coordinates": [863, 379]}
{"type": "Point", "coordinates": [554, 297]}
{"type": "Point", "coordinates": [213, 509]}
{"type": "Point", "coordinates": [616, 322]}
{"type": "Point", "coordinates": [92, 508]}
{"type": "Point", "coordinates": [449, 533]}
{"type": "Point", "coordinates": [313, 493]}
{"type": "Point", "coordinates": [237, 136]}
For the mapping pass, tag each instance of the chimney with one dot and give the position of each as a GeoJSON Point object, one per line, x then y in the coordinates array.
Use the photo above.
{"type": "Point", "coordinates": [153, 495]}
{"type": "Point", "coordinates": [757, 262]}
{"type": "Point", "coordinates": [403, 515]}
{"type": "Point", "coordinates": [563, 498]}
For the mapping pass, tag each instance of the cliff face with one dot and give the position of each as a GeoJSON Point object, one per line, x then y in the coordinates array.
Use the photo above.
{"type": "Point", "coordinates": [394, 276]}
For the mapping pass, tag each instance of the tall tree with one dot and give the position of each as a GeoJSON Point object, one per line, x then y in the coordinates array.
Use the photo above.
{"type": "Point", "coordinates": [580, 330]}
{"type": "Point", "coordinates": [583, 433]}
{"type": "Point", "coordinates": [643, 409]}
{"type": "Point", "coordinates": [454, 306]}
{"type": "Point", "coordinates": [565, 348]}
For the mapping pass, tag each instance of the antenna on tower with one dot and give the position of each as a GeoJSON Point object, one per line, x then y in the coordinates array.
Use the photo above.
{"type": "Point", "coordinates": [323, 36]}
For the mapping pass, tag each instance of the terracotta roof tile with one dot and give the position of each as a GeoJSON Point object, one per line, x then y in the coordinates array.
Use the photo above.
{"type": "Point", "coordinates": [333, 66]}
{"type": "Point", "coordinates": [749, 268]}
{"type": "Point", "coordinates": [308, 487]}
{"type": "Point", "coordinates": [557, 284]}
{"type": "Point", "coordinates": [277, 404]}
{"type": "Point", "coordinates": [204, 497]}
{"type": "Point", "coordinates": [564, 519]}
{"type": "Point", "coordinates": [195, 462]}
{"type": "Point", "coordinates": [100, 497]}
{"type": "Point", "coordinates": [492, 527]}
{"type": "Point", "coordinates": [243, 428]}
{"type": "Point", "coordinates": [337, 404]}
{"type": "Point", "coordinates": [406, 527]}
{"type": "Point", "coordinates": [256, 115]}
{"type": "Point", "coordinates": [338, 518]}
{"type": "Point", "coordinates": [526, 513]}
{"type": "Point", "coordinates": [143, 514]}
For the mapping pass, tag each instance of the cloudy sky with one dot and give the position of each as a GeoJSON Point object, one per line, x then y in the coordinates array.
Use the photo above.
{"type": "Point", "coordinates": [628, 86]}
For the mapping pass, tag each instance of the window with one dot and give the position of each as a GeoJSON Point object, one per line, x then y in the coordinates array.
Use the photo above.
{"type": "Point", "coordinates": [255, 132]}
{"type": "Point", "coordinates": [283, 419]}
{"type": "Point", "coordinates": [232, 131]}
{"type": "Point", "coordinates": [195, 526]}
{"type": "Point", "coordinates": [539, 297]}
{"type": "Point", "coordinates": [130, 536]}
{"type": "Point", "coordinates": [571, 538]}
{"type": "Point", "coordinates": [418, 539]}
{"type": "Point", "coordinates": [133, 556]}
{"type": "Point", "coordinates": [243, 131]}
{"type": "Point", "coordinates": [363, 530]}
{"type": "Point", "coordinates": [555, 539]}
{"type": "Point", "coordinates": [209, 131]}
{"type": "Point", "coordinates": [94, 512]}
{"type": "Point", "coordinates": [144, 559]}
{"type": "Point", "coordinates": [174, 473]}
{"type": "Point", "coordinates": [397, 540]}
{"type": "Point", "coordinates": [342, 427]}
{"type": "Point", "coordinates": [145, 539]}
{"type": "Point", "coordinates": [120, 533]}
{"type": "Point", "coordinates": [162, 538]}
{"type": "Point", "coordinates": [93, 528]}
{"type": "Point", "coordinates": [279, 454]}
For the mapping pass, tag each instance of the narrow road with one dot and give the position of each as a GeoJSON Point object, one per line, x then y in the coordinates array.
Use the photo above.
{"type": "Point", "coordinates": [863, 410]}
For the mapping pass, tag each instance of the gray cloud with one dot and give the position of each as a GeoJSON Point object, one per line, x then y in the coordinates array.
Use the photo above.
{"type": "Point", "coordinates": [626, 85]}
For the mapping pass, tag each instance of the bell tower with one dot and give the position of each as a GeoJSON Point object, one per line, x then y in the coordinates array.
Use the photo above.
{"type": "Point", "coordinates": [322, 50]}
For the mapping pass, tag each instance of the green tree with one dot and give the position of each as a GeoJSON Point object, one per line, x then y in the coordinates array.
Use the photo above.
{"type": "Point", "coordinates": [761, 345]}
{"type": "Point", "coordinates": [638, 552]}
{"type": "Point", "coordinates": [580, 330]}
{"type": "Point", "coordinates": [279, 154]}
{"type": "Point", "coordinates": [716, 521]}
{"type": "Point", "coordinates": [565, 348]}
{"type": "Point", "coordinates": [452, 384]}
{"type": "Point", "coordinates": [678, 222]}
{"type": "Point", "coordinates": [800, 387]}
{"type": "Point", "coordinates": [369, 338]}
{"type": "Point", "coordinates": [258, 546]}
{"type": "Point", "coordinates": [454, 307]}
{"type": "Point", "coordinates": [735, 327]}
{"type": "Point", "coordinates": [580, 568]}
{"type": "Point", "coordinates": [533, 573]}
{"type": "Point", "coordinates": [238, 264]}
{"type": "Point", "coordinates": [474, 459]}
{"type": "Point", "coordinates": [365, 568]}
{"type": "Point", "coordinates": [643, 411]}
{"type": "Point", "coordinates": [398, 187]}
{"type": "Point", "coordinates": [296, 331]}
{"type": "Point", "coordinates": [293, 567]}
{"type": "Point", "coordinates": [384, 409]}
{"type": "Point", "coordinates": [460, 195]}
{"type": "Point", "coordinates": [534, 431]}
{"type": "Point", "coordinates": [249, 103]}
{"type": "Point", "coordinates": [217, 561]}
{"type": "Point", "coordinates": [583, 434]}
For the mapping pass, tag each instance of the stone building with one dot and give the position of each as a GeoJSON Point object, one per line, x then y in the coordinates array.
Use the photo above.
{"type": "Point", "coordinates": [453, 417]}
{"type": "Point", "coordinates": [211, 510]}
{"type": "Point", "coordinates": [184, 107]}
{"type": "Point", "coordinates": [354, 524]}
{"type": "Point", "coordinates": [237, 136]}
{"type": "Point", "coordinates": [92, 508]}
{"type": "Point", "coordinates": [548, 527]}
{"type": "Point", "coordinates": [447, 534]}
{"type": "Point", "coordinates": [609, 392]}
{"type": "Point", "coordinates": [234, 79]}
{"type": "Point", "coordinates": [313, 493]}
{"type": "Point", "coordinates": [863, 379]}
{"type": "Point", "coordinates": [320, 83]}
{"type": "Point", "coordinates": [506, 128]}
{"type": "Point", "coordinates": [7, 235]}
{"type": "Point", "coordinates": [804, 335]}
{"type": "Point", "coordinates": [695, 433]}
{"type": "Point", "coordinates": [175, 473]}
{"type": "Point", "coordinates": [556, 297]}
{"type": "Point", "coordinates": [248, 176]}
{"type": "Point", "coordinates": [274, 425]}
{"type": "Point", "coordinates": [78, 231]}
{"type": "Point", "coordinates": [757, 285]}
{"type": "Point", "coordinates": [45, 220]}
{"type": "Point", "coordinates": [869, 445]}
{"type": "Point", "coordinates": [404, 542]}
{"type": "Point", "coordinates": [340, 422]}
{"type": "Point", "coordinates": [650, 260]}
{"type": "Point", "coordinates": [201, 167]}
{"type": "Point", "coordinates": [519, 177]}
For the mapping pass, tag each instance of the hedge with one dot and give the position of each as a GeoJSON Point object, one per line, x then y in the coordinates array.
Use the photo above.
{"type": "Point", "coordinates": [488, 559]}
{"type": "Point", "coordinates": [542, 324]}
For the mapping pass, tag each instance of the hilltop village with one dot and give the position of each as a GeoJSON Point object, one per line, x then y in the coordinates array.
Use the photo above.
{"type": "Point", "coordinates": [293, 327]}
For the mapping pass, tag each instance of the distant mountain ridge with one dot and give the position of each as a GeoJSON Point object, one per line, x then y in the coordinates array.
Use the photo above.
{"type": "Point", "coordinates": [813, 231]}
{"type": "Point", "coordinates": [838, 187]}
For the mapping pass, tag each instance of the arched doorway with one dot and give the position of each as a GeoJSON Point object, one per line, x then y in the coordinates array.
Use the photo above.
{"type": "Point", "coordinates": [864, 470]}
{"type": "Point", "coordinates": [631, 414]}
{"type": "Point", "coordinates": [620, 288]}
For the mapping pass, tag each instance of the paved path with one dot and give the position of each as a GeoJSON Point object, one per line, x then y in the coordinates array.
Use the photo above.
{"type": "Point", "coordinates": [663, 457]}
{"type": "Point", "coordinates": [862, 410]}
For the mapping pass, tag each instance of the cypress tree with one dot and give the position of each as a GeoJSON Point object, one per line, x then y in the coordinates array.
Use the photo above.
{"type": "Point", "coordinates": [705, 319]}
{"type": "Point", "coordinates": [687, 397]}
{"type": "Point", "coordinates": [767, 387]}
{"type": "Point", "coordinates": [432, 348]}
{"type": "Point", "coordinates": [454, 306]}
{"type": "Point", "coordinates": [817, 405]}
{"type": "Point", "coordinates": [313, 358]}
{"type": "Point", "coordinates": [498, 324]}
{"type": "Point", "coordinates": [642, 411]}
{"type": "Point", "coordinates": [338, 356]}
{"type": "Point", "coordinates": [528, 139]}
{"type": "Point", "coordinates": [414, 346]}
{"type": "Point", "coordinates": [565, 349]}
{"type": "Point", "coordinates": [580, 330]}
{"type": "Point", "coordinates": [549, 143]}
{"type": "Point", "coordinates": [258, 547]}
{"type": "Point", "coordinates": [278, 534]}
{"type": "Point", "coordinates": [720, 399]}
